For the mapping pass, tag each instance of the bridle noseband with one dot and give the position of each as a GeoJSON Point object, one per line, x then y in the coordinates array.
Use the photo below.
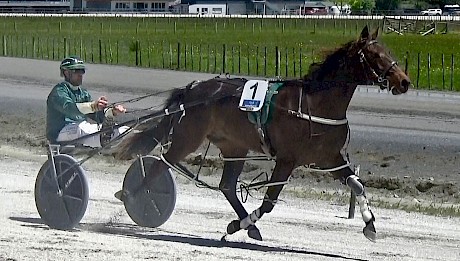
{"type": "Point", "coordinates": [381, 79]}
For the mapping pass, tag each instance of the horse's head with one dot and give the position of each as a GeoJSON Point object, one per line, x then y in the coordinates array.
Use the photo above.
{"type": "Point", "coordinates": [379, 65]}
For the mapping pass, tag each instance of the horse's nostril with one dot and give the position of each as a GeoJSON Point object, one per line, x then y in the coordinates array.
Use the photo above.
{"type": "Point", "coordinates": [405, 84]}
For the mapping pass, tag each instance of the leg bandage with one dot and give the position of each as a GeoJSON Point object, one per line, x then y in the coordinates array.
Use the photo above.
{"type": "Point", "coordinates": [355, 184]}
{"type": "Point", "coordinates": [250, 219]}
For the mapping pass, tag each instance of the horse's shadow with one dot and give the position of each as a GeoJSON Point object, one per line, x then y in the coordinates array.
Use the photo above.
{"type": "Point", "coordinates": [129, 230]}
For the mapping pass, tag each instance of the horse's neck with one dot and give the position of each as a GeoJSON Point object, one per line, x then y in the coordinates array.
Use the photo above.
{"type": "Point", "coordinates": [334, 98]}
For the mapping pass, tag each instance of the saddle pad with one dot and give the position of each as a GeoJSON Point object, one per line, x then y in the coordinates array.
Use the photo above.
{"type": "Point", "coordinates": [264, 115]}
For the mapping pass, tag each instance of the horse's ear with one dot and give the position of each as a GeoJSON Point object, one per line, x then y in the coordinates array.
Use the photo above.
{"type": "Point", "coordinates": [364, 34]}
{"type": "Point", "coordinates": [375, 34]}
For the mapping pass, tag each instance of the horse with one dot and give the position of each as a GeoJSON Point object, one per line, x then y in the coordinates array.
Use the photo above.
{"type": "Point", "coordinates": [308, 126]}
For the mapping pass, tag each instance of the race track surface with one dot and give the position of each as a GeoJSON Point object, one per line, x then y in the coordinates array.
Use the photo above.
{"type": "Point", "coordinates": [400, 142]}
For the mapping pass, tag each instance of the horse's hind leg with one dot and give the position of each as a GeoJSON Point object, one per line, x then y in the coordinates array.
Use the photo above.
{"type": "Point", "coordinates": [186, 138]}
{"type": "Point", "coordinates": [348, 177]}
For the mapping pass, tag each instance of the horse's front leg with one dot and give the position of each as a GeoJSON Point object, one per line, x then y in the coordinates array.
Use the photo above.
{"type": "Point", "coordinates": [279, 177]}
{"type": "Point", "coordinates": [232, 169]}
{"type": "Point", "coordinates": [348, 177]}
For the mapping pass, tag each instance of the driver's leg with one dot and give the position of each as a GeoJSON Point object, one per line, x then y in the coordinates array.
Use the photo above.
{"type": "Point", "coordinates": [76, 130]}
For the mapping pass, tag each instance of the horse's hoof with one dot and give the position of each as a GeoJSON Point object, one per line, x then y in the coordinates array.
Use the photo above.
{"type": "Point", "coordinates": [254, 233]}
{"type": "Point", "coordinates": [369, 232]}
{"type": "Point", "coordinates": [233, 227]}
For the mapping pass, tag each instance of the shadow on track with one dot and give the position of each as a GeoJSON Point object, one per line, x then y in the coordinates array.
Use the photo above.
{"type": "Point", "coordinates": [130, 230]}
{"type": "Point", "coordinates": [134, 231]}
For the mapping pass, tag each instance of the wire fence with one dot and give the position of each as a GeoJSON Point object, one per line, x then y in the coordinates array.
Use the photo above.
{"type": "Point", "coordinates": [427, 71]}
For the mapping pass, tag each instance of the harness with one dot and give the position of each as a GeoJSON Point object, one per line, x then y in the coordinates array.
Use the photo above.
{"type": "Point", "coordinates": [381, 79]}
{"type": "Point", "coordinates": [263, 117]}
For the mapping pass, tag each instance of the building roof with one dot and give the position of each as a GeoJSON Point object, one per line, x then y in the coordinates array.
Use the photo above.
{"type": "Point", "coordinates": [320, 4]}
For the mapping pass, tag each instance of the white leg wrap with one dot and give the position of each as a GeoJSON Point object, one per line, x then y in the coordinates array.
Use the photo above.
{"type": "Point", "coordinates": [250, 219]}
{"type": "Point", "coordinates": [364, 208]}
{"type": "Point", "coordinates": [353, 182]}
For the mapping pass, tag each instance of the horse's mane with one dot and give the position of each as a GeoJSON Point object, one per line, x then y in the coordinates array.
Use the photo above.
{"type": "Point", "coordinates": [333, 61]}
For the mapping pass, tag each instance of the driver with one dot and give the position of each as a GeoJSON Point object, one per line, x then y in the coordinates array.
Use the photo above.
{"type": "Point", "coordinates": [72, 113]}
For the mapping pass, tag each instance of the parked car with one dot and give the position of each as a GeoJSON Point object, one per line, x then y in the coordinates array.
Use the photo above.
{"type": "Point", "coordinates": [432, 12]}
{"type": "Point", "coordinates": [451, 10]}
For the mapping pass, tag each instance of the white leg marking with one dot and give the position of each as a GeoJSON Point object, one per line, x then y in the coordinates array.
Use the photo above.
{"type": "Point", "coordinates": [364, 208]}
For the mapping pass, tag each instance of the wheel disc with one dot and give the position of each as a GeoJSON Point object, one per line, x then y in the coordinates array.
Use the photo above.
{"type": "Point", "coordinates": [61, 203]}
{"type": "Point", "coordinates": [152, 206]}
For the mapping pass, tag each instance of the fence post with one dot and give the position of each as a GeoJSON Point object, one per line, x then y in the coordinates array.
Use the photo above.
{"type": "Point", "coordinates": [162, 53]}
{"type": "Point", "coordinates": [178, 54]}
{"type": "Point", "coordinates": [4, 45]}
{"type": "Point", "coordinates": [286, 61]}
{"type": "Point", "coordinates": [443, 72]}
{"type": "Point", "coordinates": [65, 47]}
{"type": "Point", "coordinates": [148, 56]}
{"type": "Point", "coordinates": [265, 61]}
{"type": "Point", "coordinates": [192, 57]}
{"type": "Point", "coordinates": [47, 44]}
{"type": "Point", "coordinates": [54, 52]}
{"type": "Point", "coordinates": [33, 47]}
{"type": "Point", "coordinates": [105, 52]}
{"type": "Point", "coordinates": [201, 57]}
{"type": "Point", "coordinates": [247, 53]}
{"type": "Point", "coordinates": [22, 45]}
{"type": "Point", "coordinates": [208, 58]}
{"type": "Point", "coordinates": [293, 62]}
{"type": "Point", "coordinates": [223, 58]}
{"type": "Point", "coordinates": [300, 61]}
{"type": "Point", "coordinates": [239, 58]}
{"type": "Point", "coordinates": [185, 56]}
{"type": "Point", "coordinates": [418, 69]}
{"type": "Point", "coordinates": [100, 51]}
{"type": "Point", "coordinates": [81, 48]}
{"type": "Point", "coordinates": [452, 73]}
{"type": "Point", "coordinates": [428, 71]}
{"type": "Point", "coordinates": [257, 60]}
{"type": "Point", "coordinates": [277, 61]}
{"type": "Point", "coordinates": [233, 59]}
{"type": "Point", "coordinates": [406, 65]}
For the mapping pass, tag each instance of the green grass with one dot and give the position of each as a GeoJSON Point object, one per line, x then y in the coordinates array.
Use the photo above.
{"type": "Point", "coordinates": [215, 45]}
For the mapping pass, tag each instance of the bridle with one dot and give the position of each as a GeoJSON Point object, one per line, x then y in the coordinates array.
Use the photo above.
{"type": "Point", "coordinates": [381, 79]}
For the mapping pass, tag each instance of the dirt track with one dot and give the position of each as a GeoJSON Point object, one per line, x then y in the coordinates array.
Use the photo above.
{"type": "Point", "coordinates": [298, 229]}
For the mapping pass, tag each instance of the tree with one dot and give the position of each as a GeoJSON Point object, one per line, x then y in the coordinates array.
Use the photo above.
{"type": "Point", "coordinates": [387, 4]}
{"type": "Point", "coordinates": [362, 5]}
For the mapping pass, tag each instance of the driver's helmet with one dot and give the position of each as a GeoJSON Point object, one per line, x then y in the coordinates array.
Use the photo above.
{"type": "Point", "coordinates": [72, 63]}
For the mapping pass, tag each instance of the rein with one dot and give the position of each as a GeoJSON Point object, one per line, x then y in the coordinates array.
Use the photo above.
{"type": "Point", "coordinates": [111, 105]}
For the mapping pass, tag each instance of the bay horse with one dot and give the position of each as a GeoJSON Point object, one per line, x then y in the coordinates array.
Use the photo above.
{"type": "Point", "coordinates": [308, 125]}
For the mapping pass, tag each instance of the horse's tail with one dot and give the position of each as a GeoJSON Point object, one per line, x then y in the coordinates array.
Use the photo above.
{"type": "Point", "coordinates": [146, 137]}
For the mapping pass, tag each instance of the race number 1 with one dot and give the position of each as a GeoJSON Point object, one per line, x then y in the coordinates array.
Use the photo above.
{"type": "Point", "coordinates": [253, 96]}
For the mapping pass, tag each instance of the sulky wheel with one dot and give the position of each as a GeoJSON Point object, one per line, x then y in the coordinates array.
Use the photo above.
{"type": "Point", "coordinates": [61, 199]}
{"type": "Point", "coordinates": [153, 205]}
